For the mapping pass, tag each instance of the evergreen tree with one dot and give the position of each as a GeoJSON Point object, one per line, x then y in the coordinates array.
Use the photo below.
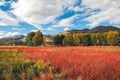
{"type": "Point", "coordinates": [57, 40]}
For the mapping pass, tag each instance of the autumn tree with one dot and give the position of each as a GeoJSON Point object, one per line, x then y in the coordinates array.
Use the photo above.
{"type": "Point", "coordinates": [104, 42]}
{"type": "Point", "coordinates": [68, 40]}
{"type": "Point", "coordinates": [34, 38]}
{"type": "Point", "coordinates": [113, 37]}
{"type": "Point", "coordinates": [85, 39]}
{"type": "Point", "coordinates": [93, 39]}
{"type": "Point", "coordinates": [76, 39]}
{"type": "Point", "coordinates": [38, 38]}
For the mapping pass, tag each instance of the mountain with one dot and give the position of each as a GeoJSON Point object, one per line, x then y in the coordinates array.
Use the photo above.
{"type": "Point", "coordinates": [15, 37]}
{"type": "Point", "coordinates": [74, 31]}
{"type": "Point", "coordinates": [12, 39]}
{"type": "Point", "coordinates": [101, 29]}
{"type": "Point", "coordinates": [98, 29]}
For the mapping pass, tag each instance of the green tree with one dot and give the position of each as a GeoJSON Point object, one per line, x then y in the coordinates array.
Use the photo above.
{"type": "Point", "coordinates": [93, 39]}
{"type": "Point", "coordinates": [68, 40]}
{"type": "Point", "coordinates": [61, 39]}
{"type": "Point", "coordinates": [104, 39]}
{"type": "Point", "coordinates": [29, 37]}
{"type": "Point", "coordinates": [58, 39]}
{"type": "Point", "coordinates": [38, 38]}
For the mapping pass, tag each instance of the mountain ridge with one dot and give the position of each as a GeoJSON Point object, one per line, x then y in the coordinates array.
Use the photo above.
{"type": "Point", "coordinates": [98, 29]}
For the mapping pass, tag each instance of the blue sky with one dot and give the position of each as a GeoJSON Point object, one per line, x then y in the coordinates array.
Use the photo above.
{"type": "Point", "coordinates": [54, 16]}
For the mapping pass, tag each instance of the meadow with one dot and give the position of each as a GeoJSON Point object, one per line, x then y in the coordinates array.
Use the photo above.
{"type": "Point", "coordinates": [60, 63]}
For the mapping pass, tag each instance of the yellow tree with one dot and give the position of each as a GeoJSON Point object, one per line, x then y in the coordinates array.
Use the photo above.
{"type": "Point", "coordinates": [76, 40]}
{"type": "Point", "coordinates": [68, 40]}
{"type": "Point", "coordinates": [113, 37]}
{"type": "Point", "coordinates": [38, 38]}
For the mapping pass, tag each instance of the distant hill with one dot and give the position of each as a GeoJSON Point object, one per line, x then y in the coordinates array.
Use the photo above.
{"type": "Point", "coordinates": [103, 29]}
{"type": "Point", "coordinates": [97, 29]}
{"type": "Point", "coordinates": [74, 31]}
{"type": "Point", "coordinates": [16, 37]}
{"type": "Point", "coordinates": [11, 39]}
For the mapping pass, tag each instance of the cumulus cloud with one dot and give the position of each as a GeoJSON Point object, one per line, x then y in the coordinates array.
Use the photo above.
{"type": "Point", "coordinates": [7, 20]}
{"type": "Point", "coordinates": [66, 29]}
{"type": "Point", "coordinates": [39, 12]}
{"type": "Point", "coordinates": [1, 33]}
{"type": "Point", "coordinates": [68, 21]}
{"type": "Point", "coordinates": [34, 30]}
{"type": "Point", "coordinates": [2, 2]}
{"type": "Point", "coordinates": [18, 29]}
{"type": "Point", "coordinates": [109, 11]}
{"type": "Point", "coordinates": [9, 34]}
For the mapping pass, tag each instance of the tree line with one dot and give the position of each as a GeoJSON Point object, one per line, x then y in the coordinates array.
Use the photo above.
{"type": "Point", "coordinates": [81, 39]}
{"type": "Point", "coordinates": [85, 39]}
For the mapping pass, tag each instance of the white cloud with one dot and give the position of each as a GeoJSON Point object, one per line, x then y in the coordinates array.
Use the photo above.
{"type": "Point", "coordinates": [1, 33]}
{"type": "Point", "coordinates": [66, 29]}
{"type": "Point", "coordinates": [9, 34]}
{"type": "Point", "coordinates": [102, 5]}
{"type": "Point", "coordinates": [2, 2]}
{"type": "Point", "coordinates": [34, 30]}
{"type": "Point", "coordinates": [39, 12]}
{"type": "Point", "coordinates": [68, 21]}
{"type": "Point", "coordinates": [50, 29]}
{"type": "Point", "coordinates": [109, 11]}
{"type": "Point", "coordinates": [7, 20]}
{"type": "Point", "coordinates": [19, 29]}
{"type": "Point", "coordinates": [76, 8]}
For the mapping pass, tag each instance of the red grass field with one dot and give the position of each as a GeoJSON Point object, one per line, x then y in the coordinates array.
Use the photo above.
{"type": "Point", "coordinates": [78, 63]}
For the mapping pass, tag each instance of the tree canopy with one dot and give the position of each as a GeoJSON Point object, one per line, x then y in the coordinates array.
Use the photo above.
{"type": "Point", "coordinates": [34, 38]}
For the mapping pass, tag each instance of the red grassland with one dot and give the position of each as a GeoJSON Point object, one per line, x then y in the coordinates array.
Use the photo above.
{"type": "Point", "coordinates": [78, 63]}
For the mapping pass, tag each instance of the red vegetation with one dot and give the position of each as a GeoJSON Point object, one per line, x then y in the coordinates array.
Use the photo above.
{"type": "Point", "coordinates": [87, 63]}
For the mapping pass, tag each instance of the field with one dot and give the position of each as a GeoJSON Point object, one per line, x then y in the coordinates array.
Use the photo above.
{"type": "Point", "coordinates": [68, 63]}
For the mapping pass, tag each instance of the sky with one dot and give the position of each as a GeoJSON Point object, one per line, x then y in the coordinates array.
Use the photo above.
{"type": "Point", "coordinates": [54, 16]}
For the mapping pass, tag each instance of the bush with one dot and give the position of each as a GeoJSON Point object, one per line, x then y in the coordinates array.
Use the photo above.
{"type": "Point", "coordinates": [14, 67]}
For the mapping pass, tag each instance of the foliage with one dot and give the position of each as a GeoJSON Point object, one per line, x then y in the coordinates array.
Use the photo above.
{"type": "Point", "coordinates": [91, 39]}
{"type": "Point", "coordinates": [58, 40]}
{"type": "Point", "coordinates": [60, 63]}
{"type": "Point", "coordinates": [113, 37]}
{"type": "Point", "coordinates": [68, 40]}
{"type": "Point", "coordinates": [29, 38]}
{"type": "Point", "coordinates": [76, 40]}
{"type": "Point", "coordinates": [14, 67]}
{"type": "Point", "coordinates": [38, 38]}
{"type": "Point", "coordinates": [34, 38]}
{"type": "Point", "coordinates": [80, 63]}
